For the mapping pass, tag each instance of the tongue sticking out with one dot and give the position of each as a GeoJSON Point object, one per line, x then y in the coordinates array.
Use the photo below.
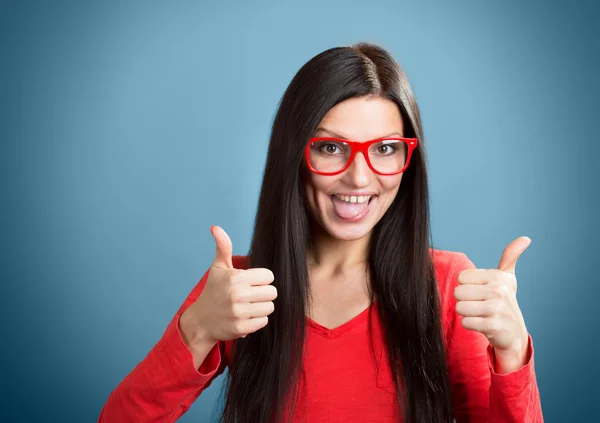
{"type": "Point", "coordinates": [348, 210]}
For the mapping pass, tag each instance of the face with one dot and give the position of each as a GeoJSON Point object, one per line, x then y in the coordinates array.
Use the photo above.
{"type": "Point", "coordinates": [357, 119]}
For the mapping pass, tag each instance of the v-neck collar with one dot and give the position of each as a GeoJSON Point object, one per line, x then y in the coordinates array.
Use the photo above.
{"type": "Point", "coordinates": [344, 327]}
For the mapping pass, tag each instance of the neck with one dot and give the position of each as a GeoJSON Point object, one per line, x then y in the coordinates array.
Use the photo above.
{"type": "Point", "coordinates": [335, 253]}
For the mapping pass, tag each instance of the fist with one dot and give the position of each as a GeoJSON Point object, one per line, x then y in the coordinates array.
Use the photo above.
{"type": "Point", "coordinates": [487, 300]}
{"type": "Point", "coordinates": [234, 302]}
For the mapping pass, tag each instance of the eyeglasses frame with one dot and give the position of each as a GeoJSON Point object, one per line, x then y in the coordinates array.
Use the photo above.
{"type": "Point", "coordinates": [360, 147]}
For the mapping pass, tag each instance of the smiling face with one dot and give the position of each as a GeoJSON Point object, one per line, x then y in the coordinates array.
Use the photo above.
{"type": "Point", "coordinates": [347, 206]}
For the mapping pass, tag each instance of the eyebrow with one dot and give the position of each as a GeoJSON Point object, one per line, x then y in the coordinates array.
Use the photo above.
{"type": "Point", "coordinates": [336, 135]}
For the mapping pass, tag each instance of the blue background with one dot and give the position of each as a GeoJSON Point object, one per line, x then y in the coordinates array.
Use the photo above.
{"type": "Point", "coordinates": [128, 129]}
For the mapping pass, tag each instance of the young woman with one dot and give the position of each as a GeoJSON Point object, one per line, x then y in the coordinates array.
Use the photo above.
{"type": "Point", "coordinates": [342, 311]}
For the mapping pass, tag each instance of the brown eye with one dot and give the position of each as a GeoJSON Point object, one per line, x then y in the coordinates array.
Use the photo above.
{"type": "Point", "coordinates": [329, 148]}
{"type": "Point", "coordinates": [385, 149]}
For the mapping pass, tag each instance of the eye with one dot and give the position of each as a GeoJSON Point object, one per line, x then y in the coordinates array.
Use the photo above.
{"type": "Point", "coordinates": [385, 149]}
{"type": "Point", "coordinates": [330, 148]}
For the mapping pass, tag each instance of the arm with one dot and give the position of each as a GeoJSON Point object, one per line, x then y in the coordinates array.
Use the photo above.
{"type": "Point", "coordinates": [163, 386]}
{"type": "Point", "coordinates": [480, 392]}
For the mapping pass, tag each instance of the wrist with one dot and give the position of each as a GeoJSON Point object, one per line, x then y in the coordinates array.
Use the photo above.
{"type": "Point", "coordinates": [508, 360]}
{"type": "Point", "coordinates": [193, 333]}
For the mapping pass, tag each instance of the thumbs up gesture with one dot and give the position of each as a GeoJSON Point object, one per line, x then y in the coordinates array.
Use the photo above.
{"type": "Point", "coordinates": [234, 302]}
{"type": "Point", "coordinates": [487, 300]}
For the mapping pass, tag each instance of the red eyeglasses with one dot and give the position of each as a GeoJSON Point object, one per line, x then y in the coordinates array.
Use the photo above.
{"type": "Point", "coordinates": [385, 156]}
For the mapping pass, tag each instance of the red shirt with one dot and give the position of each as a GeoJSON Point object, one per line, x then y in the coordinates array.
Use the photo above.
{"type": "Point", "coordinates": [344, 382]}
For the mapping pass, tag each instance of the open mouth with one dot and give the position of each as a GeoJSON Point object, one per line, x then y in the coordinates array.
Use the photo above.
{"type": "Point", "coordinates": [354, 199]}
{"type": "Point", "coordinates": [352, 208]}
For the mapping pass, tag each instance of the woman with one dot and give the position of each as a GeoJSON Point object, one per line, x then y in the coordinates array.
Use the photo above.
{"type": "Point", "coordinates": [341, 311]}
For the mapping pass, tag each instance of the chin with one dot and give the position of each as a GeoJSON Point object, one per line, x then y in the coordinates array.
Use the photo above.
{"type": "Point", "coordinates": [347, 232]}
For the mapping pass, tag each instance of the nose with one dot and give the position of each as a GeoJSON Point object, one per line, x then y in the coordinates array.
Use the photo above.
{"type": "Point", "coordinates": [358, 173]}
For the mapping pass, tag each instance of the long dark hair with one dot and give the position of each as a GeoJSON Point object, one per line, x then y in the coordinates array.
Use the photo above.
{"type": "Point", "coordinates": [265, 367]}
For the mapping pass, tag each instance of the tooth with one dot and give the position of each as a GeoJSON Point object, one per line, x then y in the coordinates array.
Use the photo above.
{"type": "Point", "coordinates": [353, 199]}
{"type": "Point", "coordinates": [346, 198]}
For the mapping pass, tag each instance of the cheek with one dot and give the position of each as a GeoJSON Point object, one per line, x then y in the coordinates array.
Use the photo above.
{"type": "Point", "coordinates": [391, 184]}
{"type": "Point", "coordinates": [389, 190]}
{"type": "Point", "coordinates": [317, 185]}
{"type": "Point", "coordinates": [316, 189]}
{"type": "Point", "coordinates": [312, 187]}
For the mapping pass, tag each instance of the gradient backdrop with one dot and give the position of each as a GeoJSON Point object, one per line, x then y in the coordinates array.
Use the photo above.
{"type": "Point", "coordinates": [129, 128]}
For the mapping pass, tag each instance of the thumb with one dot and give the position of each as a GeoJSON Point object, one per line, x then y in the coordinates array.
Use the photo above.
{"type": "Point", "coordinates": [511, 254]}
{"type": "Point", "coordinates": [224, 248]}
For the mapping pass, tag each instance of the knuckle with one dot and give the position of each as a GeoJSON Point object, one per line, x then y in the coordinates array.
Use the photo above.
{"type": "Point", "coordinates": [230, 286]}
{"type": "Point", "coordinates": [238, 329]}
{"type": "Point", "coordinates": [232, 295]}
{"type": "Point", "coordinates": [499, 291]}
{"type": "Point", "coordinates": [493, 308]}
{"type": "Point", "coordinates": [259, 324]}
{"type": "Point", "coordinates": [236, 311]}
{"type": "Point", "coordinates": [235, 277]}
{"type": "Point", "coordinates": [229, 298]}
{"type": "Point", "coordinates": [236, 294]}
{"type": "Point", "coordinates": [496, 276]}
{"type": "Point", "coordinates": [492, 325]}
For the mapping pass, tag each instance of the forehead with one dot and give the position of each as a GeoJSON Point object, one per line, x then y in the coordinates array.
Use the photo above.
{"type": "Point", "coordinates": [362, 119]}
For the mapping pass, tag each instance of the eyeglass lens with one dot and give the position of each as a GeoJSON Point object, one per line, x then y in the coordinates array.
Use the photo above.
{"type": "Point", "coordinates": [386, 156]}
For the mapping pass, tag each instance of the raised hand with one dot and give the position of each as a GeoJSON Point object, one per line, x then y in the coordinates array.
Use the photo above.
{"type": "Point", "coordinates": [234, 302]}
{"type": "Point", "coordinates": [487, 300]}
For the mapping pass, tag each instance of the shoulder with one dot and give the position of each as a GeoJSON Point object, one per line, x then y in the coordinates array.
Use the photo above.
{"type": "Point", "coordinates": [448, 265]}
{"type": "Point", "coordinates": [447, 262]}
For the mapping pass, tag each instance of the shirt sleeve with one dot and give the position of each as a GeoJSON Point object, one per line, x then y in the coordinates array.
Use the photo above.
{"type": "Point", "coordinates": [165, 383]}
{"type": "Point", "coordinates": [479, 393]}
